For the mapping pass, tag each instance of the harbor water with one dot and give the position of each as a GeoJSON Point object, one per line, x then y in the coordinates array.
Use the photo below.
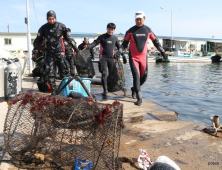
{"type": "Point", "coordinates": [194, 90]}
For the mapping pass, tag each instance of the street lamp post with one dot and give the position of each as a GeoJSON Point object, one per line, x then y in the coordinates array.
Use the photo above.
{"type": "Point", "coordinates": [171, 23]}
{"type": "Point", "coordinates": [29, 38]}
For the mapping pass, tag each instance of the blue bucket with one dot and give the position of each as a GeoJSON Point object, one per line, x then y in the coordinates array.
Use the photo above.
{"type": "Point", "coordinates": [74, 86]}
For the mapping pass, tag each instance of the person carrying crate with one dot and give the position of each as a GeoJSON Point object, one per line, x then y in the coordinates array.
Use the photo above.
{"type": "Point", "coordinates": [84, 45]}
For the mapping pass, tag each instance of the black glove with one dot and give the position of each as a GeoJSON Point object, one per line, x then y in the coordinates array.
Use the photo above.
{"type": "Point", "coordinates": [34, 55]}
{"type": "Point", "coordinates": [75, 49]}
{"type": "Point", "coordinates": [92, 57]}
{"type": "Point", "coordinates": [118, 54]}
{"type": "Point", "coordinates": [86, 47]}
{"type": "Point", "coordinates": [164, 56]}
{"type": "Point", "coordinates": [124, 59]}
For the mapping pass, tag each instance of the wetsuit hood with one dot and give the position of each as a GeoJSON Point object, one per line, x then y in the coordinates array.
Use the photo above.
{"type": "Point", "coordinates": [51, 13]}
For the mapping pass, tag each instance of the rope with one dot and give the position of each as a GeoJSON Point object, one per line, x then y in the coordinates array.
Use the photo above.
{"type": "Point", "coordinates": [35, 12]}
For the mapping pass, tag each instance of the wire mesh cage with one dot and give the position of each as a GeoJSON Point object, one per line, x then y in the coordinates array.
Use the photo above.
{"type": "Point", "coordinates": [44, 131]}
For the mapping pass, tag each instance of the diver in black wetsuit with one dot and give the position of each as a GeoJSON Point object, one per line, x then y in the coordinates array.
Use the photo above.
{"type": "Point", "coordinates": [107, 47]}
{"type": "Point", "coordinates": [84, 45]}
{"type": "Point", "coordinates": [70, 53]}
{"type": "Point", "coordinates": [138, 37]}
{"type": "Point", "coordinates": [54, 33]}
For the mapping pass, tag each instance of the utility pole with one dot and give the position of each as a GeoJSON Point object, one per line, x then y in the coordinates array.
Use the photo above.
{"type": "Point", "coordinates": [28, 38]}
{"type": "Point", "coordinates": [8, 27]}
{"type": "Point", "coordinates": [171, 29]}
{"type": "Point", "coordinates": [171, 23]}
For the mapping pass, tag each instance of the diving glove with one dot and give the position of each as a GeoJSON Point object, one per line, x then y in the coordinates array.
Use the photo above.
{"type": "Point", "coordinates": [124, 59]}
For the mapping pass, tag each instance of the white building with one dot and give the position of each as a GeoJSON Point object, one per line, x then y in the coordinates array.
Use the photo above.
{"type": "Point", "coordinates": [15, 41]}
{"type": "Point", "coordinates": [192, 44]}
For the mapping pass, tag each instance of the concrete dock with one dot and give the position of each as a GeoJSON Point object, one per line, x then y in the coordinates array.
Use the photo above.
{"type": "Point", "coordinates": [152, 127]}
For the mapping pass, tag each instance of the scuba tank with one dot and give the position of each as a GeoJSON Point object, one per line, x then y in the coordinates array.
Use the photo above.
{"type": "Point", "coordinates": [4, 63]}
{"type": "Point", "coordinates": [2, 88]}
{"type": "Point", "coordinates": [12, 80]}
{"type": "Point", "coordinates": [16, 60]}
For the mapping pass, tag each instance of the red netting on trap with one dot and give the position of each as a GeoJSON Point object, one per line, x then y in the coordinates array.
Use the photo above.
{"type": "Point", "coordinates": [44, 131]}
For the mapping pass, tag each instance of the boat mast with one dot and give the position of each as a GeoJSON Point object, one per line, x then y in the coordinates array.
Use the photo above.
{"type": "Point", "coordinates": [29, 38]}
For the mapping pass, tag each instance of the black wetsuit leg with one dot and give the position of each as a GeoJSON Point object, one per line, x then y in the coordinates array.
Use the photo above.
{"type": "Point", "coordinates": [70, 59]}
{"type": "Point", "coordinates": [106, 62]}
{"type": "Point", "coordinates": [61, 65]}
{"type": "Point", "coordinates": [51, 64]}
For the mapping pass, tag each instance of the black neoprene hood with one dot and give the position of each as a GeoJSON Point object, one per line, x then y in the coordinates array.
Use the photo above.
{"type": "Point", "coordinates": [51, 13]}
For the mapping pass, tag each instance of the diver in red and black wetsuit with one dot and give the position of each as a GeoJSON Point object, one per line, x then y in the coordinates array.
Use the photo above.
{"type": "Point", "coordinates": [107, 47]}
{"type": "Point", "coordinates": [138, 37]}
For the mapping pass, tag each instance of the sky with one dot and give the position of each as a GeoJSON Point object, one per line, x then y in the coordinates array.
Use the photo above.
{"type": "Point", "coordinates": [198, 18]}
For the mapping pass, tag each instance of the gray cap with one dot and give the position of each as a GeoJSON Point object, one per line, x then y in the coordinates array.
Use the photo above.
{"type": "Point", "coordinates": [86, 38]}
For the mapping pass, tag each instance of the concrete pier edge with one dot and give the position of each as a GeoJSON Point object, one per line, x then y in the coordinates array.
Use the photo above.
{"type": "Point", "coordinates": [183, 142]}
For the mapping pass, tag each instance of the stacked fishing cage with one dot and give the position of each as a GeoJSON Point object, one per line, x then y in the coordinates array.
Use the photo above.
{"type": "Point", "coordinates": [44, 131]}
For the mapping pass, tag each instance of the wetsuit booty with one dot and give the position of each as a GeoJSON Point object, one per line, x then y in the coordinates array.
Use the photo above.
{"type": "Point", "coordinates": [52, 84]}
{"type": "Point", "coordinates": [139, 99]}
{"type": "Point", "coordinates": [138, 102]}
{"type": "Point", "coordinates": [133, 93]}
{"type": "Point", "coordinates": [105, 93]}
{"type": "Point", "coordinates": [53, 89]}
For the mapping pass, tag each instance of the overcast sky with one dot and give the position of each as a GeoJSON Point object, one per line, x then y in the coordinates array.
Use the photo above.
{"type": "Point", "coordinates": [198, 18]}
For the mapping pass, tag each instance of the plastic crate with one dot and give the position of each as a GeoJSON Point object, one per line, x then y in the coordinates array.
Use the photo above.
{"type": "Point", "coordinates": [83, 164]}
{"type": "Point", "coordinates": [74, 86]}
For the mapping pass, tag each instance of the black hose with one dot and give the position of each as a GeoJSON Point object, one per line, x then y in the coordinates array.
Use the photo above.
{"type": "Point", "coordinates": [78, 79]}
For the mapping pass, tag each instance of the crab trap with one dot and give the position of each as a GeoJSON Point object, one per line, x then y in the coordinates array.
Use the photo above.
{"type": "Point", "coordinates": [44, 131]}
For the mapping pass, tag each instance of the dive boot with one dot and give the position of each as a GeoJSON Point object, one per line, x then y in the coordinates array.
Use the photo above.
{"type": "Point", "coordinates": [53, 89]}
{"type": "Point", "coordinates": [105, 91]}
{"type": "Point", "coordinates": [133, 93]}
{"type": "Point", "coordinates": [139, 99]}
{"type": "Point", "coordinates": [52, 84]}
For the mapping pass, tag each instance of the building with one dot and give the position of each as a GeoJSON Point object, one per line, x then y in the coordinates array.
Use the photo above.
{"type": "Point", "coordinates": [192, 44]}
{"type": "Point", "coordinates": [15, 41]}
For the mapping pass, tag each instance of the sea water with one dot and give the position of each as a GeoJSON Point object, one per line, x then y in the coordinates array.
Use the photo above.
{"type": "Point", "coordinates": [194, 90]}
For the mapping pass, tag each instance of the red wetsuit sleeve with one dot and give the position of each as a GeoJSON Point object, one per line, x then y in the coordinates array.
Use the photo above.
{"type": "Point", "coordinates": [126, 40]}
{"type": "Point", "coordinates": [152, 36]}
{"type": "Point", "coordinates": [128, 37]}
